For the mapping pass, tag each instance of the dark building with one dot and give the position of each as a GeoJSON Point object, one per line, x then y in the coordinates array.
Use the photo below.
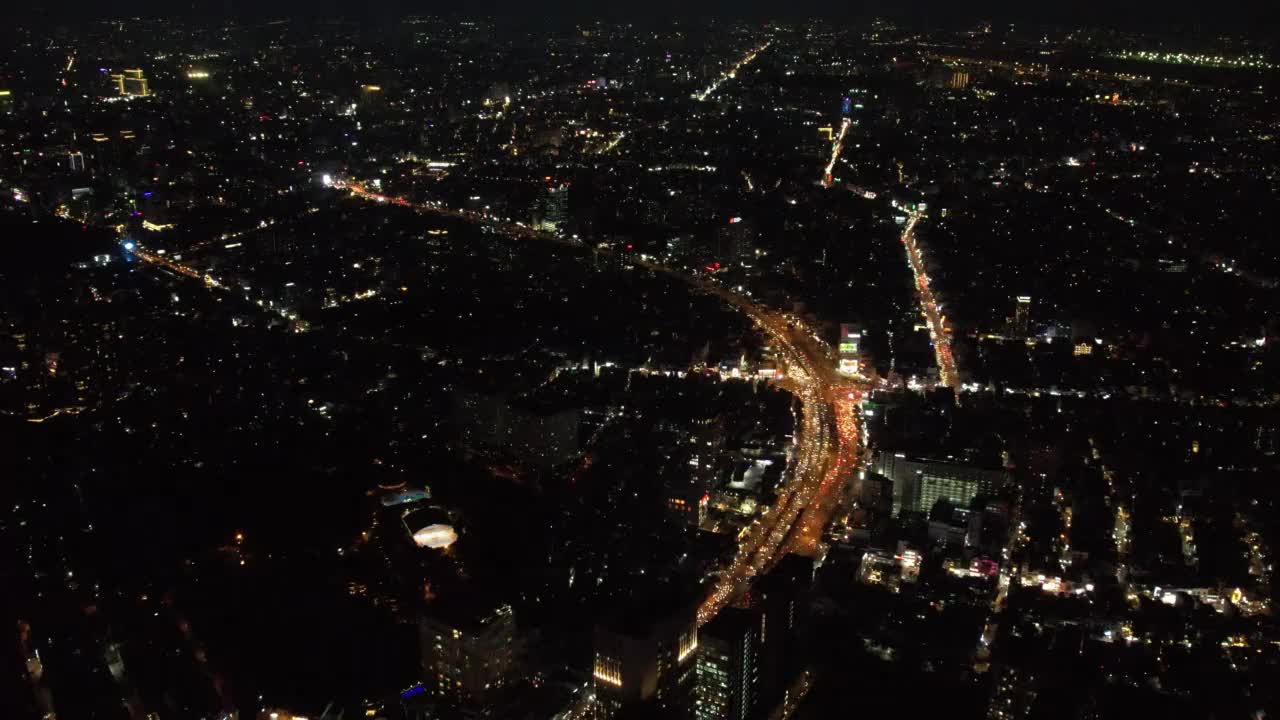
{"type": "Point", "coordinates": [542, 437]}
{"type": "Point", "coordinates": [876, 493]}
{"type": "Point", "coordinates": [735, 242]}
{"type": "Point", "coordinates": [779, 594]}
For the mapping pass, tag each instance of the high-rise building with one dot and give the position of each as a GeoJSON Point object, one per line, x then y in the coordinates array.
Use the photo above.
{"type": "Point", "coordinates": [959, 80]}
{"type": "Point", "coordinates": [875, 492]}
{"type": "Point", "coordinates": [131, 82]}
{"type": "Point", "coordinates": [645, 659]}
{"type": "Point", "coordinates": [1022, 316]}
{"type": "Point", "coordinates": [75, 160]}
{"type": "Point", "coordinates": [468, 651]}
{"type": "Point", "coordinates": [728, 680]}
{"type": "Point", "coordinates": [735, 242]}
{"type": "Point", "coordinates": [779, 594]}
{"type": "Point", "coordinates": [680, 248]}
{"type": "Point", "coordinates": [919, 483]}
{"type": "Point", "coordinates": [555, 208]}
{"type": "Point", "coordinates": [687, 504]}
{"type": "Point", "coordinates": [850, 359]}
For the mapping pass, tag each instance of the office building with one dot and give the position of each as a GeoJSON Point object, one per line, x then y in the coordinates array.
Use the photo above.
{"type": "Point", "coordinates": [959, 80]}
{"type": "Point", "coordinates": [1022, 316]}
{"type": "Point", "coordinates": [919, 483]}
{"type": "Point", "coordinates": [468, 651]}
{"type": "Point", "coordinates": [555, 208]}
{"type": "Point", "coordinates": [735, 242]}
{"type": "Point", "coordinates": [728, 675]}
{"type": "Point", "coordinates": [75, 160]}
{"type": "Point", "coordinates": [645, 659]}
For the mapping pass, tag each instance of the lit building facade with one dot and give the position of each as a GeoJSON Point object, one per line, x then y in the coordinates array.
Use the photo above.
{"type": "Point", "coordinates": [728, 676]}
{"type": "Point", "coordinates": [919, 483]}
{"type": "Point", "coordinates": [1022, 315]}
{"type": "Point", "coordinates": [465, 657]}
{"type": "Point", "coordinates": [890, 569]}
{"type": "Point", "coordinates": [555, 208]}
{"type": "Point", "coordinates": [645, 666]}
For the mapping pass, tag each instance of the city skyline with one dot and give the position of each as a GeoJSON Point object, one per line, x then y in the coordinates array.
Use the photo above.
{"type": "Point", "coordinates": [430, 366]}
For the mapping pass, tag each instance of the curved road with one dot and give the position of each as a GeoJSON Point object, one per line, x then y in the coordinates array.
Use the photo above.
{"type": "Point", "coordinates": [828, 437]}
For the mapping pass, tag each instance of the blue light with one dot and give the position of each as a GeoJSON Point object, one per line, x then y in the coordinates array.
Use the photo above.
{"type": "Point", "coordinates": [128, 245]}
{"type": "Point", "coordinates": [415, 690]}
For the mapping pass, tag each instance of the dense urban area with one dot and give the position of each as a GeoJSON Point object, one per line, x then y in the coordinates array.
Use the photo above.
{"type": "Point", "coordinates": [471, 368]}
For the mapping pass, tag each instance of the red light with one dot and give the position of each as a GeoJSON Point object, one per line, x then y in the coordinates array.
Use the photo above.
{"type": "Point", "coordinates": [630, 246]}
{"type": "Point", "coordinates": [300, 162]}
{"type": "Point", "coordinates": [734, 220]}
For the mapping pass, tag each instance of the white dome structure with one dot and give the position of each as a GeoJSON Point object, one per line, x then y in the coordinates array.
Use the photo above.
{"type": "Point", "coordinates": [437, 536]}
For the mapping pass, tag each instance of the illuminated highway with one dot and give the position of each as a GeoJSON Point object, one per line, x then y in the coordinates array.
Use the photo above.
{"type": "Point", "coordinates": [812, 477]}
{"type": "Point", "coordinates": [933, 316]}
{"type": "Point", "coordinates": [167, 262]}
{"type": "Point", "coordinates": [794, 695]}
{"type": "Point", "coordinates": [837, 144]}
{"type": "Point", "coordinates": [729, 74]}
{"type": "Point", "coordinates": [174, 266]}
{"type": "Point", "coordinates": [827, 437]}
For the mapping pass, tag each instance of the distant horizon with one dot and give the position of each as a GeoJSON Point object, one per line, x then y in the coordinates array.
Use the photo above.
{"type": "Point", "coordinates": [1237, 17]}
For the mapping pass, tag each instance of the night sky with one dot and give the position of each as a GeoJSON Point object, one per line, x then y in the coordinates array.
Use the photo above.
{"type": "Point", "coordinates": [1121, 14]}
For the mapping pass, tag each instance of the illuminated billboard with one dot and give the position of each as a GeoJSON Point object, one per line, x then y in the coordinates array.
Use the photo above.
{"type": "Point", "coordinates": [850, 357]}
